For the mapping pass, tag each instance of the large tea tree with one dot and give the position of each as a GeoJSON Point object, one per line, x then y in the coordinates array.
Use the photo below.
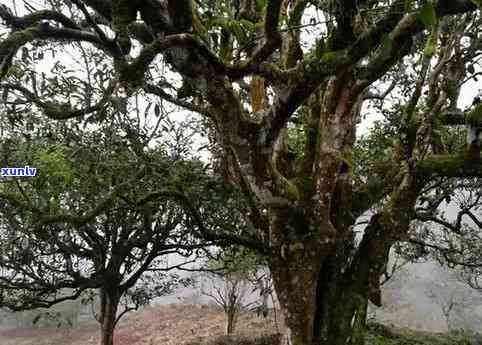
{"type": "Point", "coordinates": [96, 217]}
{"type": "Point", "coordinates": [281, 106]}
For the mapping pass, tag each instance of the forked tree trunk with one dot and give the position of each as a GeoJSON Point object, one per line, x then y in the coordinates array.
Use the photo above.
{"type": "Point", "coordinates": [340, 307]}
{"type": "Point", "coordinates": [321, 307]}
{"type": "Point", "coordinates": [109, 302]}
{"type": "Point", "coordinates": [322, 286]}
{"type": "Point", "coordinates": [322, 289]}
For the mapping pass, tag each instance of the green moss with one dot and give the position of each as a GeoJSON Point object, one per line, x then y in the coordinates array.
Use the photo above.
{"type": "Point", "coordinates": [320, 48]}
{"type": "Point", "coordinates": [461, 165]}
{"type": "Point", "coordinates": [56, 111]}
{"type": "Point", "coordinates": [132, 73]}
{"type": "Point", "coordinates": [13, 42]}
{"type": "Point", "coordinates": [123, 13]}
{"type": "Point", "coordinates": [332, 58]}
{"type": "Point", "coordinates": [324, 64]}
{"type": "Point", "coordinates": [285, 187]}
{"type": "Point", "coordinates": [415, 120]}
{"type": "Point", "coordinates": [14, 70]}
{"type": "Point", "coordinates": [18, 38]}
{"type": "Point", "coordinates": [197, 24]}
{"type": "Point", "coordinates": [297, 13]}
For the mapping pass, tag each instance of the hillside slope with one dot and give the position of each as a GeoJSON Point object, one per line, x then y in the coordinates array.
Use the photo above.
{"type": "Point", "coordinates": [168, 325]}
{"type": "Point", "coordinates": [178, 324]}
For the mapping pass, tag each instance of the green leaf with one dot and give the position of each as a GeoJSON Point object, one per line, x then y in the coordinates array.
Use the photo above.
{"type": "Point", "coordinates": [477, 2]}
{"type": "Point", "coordinates": [427, 14]}
{"type": "Point", "coordinates": [409, 5]}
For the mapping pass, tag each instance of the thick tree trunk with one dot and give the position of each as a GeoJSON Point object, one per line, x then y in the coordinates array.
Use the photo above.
{"type": "Point", "coordinates": [323, 298]}
{"type": "Point", "coordinates": [109, 301]}
{"type": "Point", "coordinates": [297, 296]}
{"type": "Point", "coordinates": [322, 308]}
{"type": "Point", "coordinates": [341, 306]}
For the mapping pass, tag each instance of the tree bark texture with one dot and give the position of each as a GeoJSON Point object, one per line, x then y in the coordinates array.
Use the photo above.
{"type": "Point", "coordinates": [109, 302]}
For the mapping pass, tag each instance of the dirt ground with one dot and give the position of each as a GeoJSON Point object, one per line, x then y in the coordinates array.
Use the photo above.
{"type": "Point", "coordinates": [167, 325]}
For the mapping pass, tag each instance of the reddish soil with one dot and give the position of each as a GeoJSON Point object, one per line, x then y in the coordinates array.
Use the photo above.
{"type": "Point", "coordinates": [166, 325]}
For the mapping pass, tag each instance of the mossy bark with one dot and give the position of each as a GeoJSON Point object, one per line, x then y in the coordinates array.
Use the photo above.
{"type": "Point", "coordinates": [322, 304]}
{"type": "Point", "coordinates": [323, 292]}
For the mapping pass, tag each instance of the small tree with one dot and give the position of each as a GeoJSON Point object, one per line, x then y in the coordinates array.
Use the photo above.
{"type": "Point", "coordinates": [230, 276]}
{"type": "Point", "coordinates": [229, 291]}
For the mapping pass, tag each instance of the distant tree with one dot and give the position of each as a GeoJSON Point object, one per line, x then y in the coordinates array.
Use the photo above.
{"type": "Point", "coordinates": [449, 231]}
{"type": "Point", "coordinates": [229, 277]}
{"type": "Point", "coordinates": [456, 301]}
{"type": "Point", "coordinates": [229, 292]}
